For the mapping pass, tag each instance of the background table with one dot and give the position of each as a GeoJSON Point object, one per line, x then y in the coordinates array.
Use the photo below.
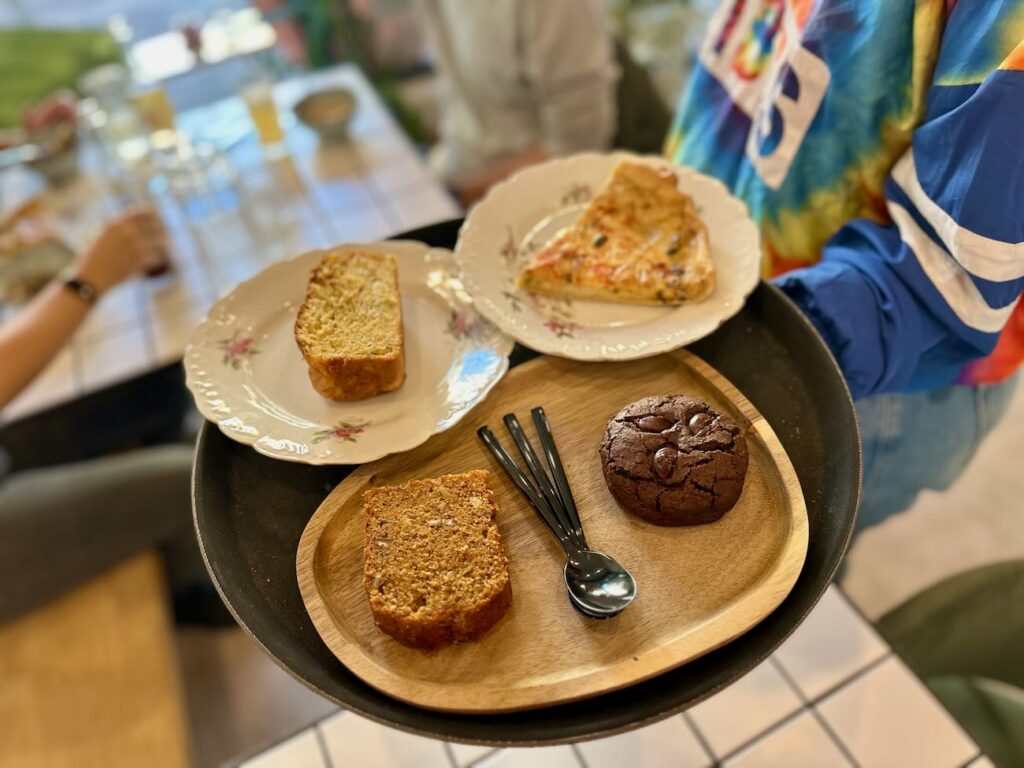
{"type": "Point", "coordinates": [241, 214]}
{"type": "Point", "coordinates": [833, 695]}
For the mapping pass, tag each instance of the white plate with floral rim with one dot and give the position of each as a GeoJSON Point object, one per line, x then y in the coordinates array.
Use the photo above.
{"type": "Point", "coordinates": [247, 375]}
{"type": "Point", "coordinates": [521, 214]}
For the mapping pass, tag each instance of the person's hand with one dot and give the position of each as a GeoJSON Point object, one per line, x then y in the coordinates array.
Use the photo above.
{"type": "Point", "coordinates": [58, 107]}
{"type": "Point", "coordinates": [134, 242]}
{"type": "Point", "coordinates": [472, 187]}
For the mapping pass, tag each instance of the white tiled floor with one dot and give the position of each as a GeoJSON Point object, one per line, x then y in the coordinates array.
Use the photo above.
{"type": "Point", "coordinates": [884, 720]}
{"type": "Point", "coordinates": [802, 742]}
{"type": "Point", "coordinates": [745, 709]}
{"type": "Point", "coordinates": [860, 706]}
{"type": "Point", "coordinates": [540, 757]}
{"type": "Point", "coordinates": [354, 741]}
{"type": "Point", "coordinates": [302, 751]}
{"type": "Point", "coordinates": [668, 744]}
{"type": "Point", "coordinates": [467, 754]}
{"type": "Point", "coordinates": [832, 644]}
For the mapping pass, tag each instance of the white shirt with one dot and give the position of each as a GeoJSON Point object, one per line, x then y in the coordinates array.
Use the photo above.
{"type": "Point", "coordinates": [518, 74]}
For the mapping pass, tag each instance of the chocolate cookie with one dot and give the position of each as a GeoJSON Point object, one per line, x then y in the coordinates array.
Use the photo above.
{"type": "Point", "coordinates": [674, 460]}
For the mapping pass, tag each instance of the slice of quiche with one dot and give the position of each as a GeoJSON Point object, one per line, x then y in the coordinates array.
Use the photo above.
{"type": "Point", "coordinates": [639, 240]}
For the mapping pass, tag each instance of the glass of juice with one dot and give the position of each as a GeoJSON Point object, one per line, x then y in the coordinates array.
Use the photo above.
{"type": "Point", "coordinates": [157, 112]}
{"type": "Point", "coordinates": [259, 98]}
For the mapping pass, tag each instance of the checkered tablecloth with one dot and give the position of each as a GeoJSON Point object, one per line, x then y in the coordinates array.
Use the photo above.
{"type": "Point", "coordinates": [833, 694]}
{"type": "Point", "coordinates": [240, 214]}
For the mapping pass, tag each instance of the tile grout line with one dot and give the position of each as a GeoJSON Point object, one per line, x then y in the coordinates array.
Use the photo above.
{"type": "Point", "coordinates": [448, 752]}
{"type": "Point", "coordinates": [856, 609]}
{"type": "Point", "coordinates": [977, 756]}
{"type": "Point", "coordinates": [324, 753]}
{"type": "Point", "coordinates": [480, 762]}
{"type": "Point", "coordinates": [825, 725]}
{"type": "Point", "coordinates": [701, 739]}
{"type": "Point", "coordinates": [578, 753]}
{"type": "Point", "coordinates": [763, 735]}
{"type": "Point", "coordinates": [862, 672]}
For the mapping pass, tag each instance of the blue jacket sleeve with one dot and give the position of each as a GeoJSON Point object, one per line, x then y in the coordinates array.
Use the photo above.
{"type": "Point", "coordinates": [904, 306]}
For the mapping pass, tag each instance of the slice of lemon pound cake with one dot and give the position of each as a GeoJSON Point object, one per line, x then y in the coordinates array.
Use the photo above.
{"type": "Point", "coordinates": [434, 566]}
{"type": "Point", "coordinates": [349, 328]}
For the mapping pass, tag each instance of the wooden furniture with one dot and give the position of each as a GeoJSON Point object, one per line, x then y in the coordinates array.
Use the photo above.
{"type": "Point", "coordinates": [91, 679]}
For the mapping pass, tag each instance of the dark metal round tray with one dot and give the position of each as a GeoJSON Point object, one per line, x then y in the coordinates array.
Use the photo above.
{"type": "Point", "coordinates": [250, 511]}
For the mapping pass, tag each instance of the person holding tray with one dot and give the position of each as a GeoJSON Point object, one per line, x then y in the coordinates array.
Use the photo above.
{"type": "Point", "coordinates": [877, 146]}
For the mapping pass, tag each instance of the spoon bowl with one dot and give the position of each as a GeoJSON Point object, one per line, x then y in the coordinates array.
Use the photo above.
{"type": "Point", "coordinates": [597, 583]}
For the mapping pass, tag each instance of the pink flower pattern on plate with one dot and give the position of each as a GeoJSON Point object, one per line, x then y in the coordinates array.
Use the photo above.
{"type": "Point", "coordinates": [237, 349]}
{"type": "Point", "coordinates": [563, 329]}
{"type": "Point", "coordinates": [462, 325]}
{"type": "Point", "coordinates": [343, 430]}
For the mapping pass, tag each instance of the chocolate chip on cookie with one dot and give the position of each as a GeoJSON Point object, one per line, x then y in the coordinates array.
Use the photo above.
{"type": "Point", "coordinates": [674, 460]}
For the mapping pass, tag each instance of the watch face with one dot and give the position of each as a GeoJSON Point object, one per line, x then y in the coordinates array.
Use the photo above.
{"type": "Point", "coordinates": [84, 290]}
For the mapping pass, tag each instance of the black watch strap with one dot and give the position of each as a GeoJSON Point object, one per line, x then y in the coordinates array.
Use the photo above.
{"type": "Point", "coordinates": [83, 289]}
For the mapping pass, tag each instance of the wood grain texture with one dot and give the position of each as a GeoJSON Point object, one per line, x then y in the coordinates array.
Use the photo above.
{"type": "Point", "coordinates": [91, 679]}
{"type": "Point", "coordinates": [698, 587]}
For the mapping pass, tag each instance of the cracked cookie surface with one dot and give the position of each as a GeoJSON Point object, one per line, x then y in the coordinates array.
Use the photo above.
{"type": "Point", "coordinates": [674, 460]}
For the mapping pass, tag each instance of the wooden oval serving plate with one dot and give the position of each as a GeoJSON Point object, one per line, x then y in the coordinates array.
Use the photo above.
{"type": "Point", "coordinates": [698, 587]}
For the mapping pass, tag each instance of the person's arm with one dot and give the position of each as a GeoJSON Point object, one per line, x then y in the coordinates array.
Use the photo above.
{"type": "Point", "coordinates": [907, 305]}
{"type": "Point", "coordinates": [34, 336]}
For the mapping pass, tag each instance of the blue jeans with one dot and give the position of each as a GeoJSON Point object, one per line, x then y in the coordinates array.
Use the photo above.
{"type": "Point", "coordinates": [922, 440]}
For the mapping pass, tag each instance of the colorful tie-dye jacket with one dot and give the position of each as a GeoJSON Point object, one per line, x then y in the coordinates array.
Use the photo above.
{"type": "Point", "coordinates": [881, 141]}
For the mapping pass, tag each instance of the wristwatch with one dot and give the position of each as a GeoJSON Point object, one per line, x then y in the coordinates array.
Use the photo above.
{"type": "Point", "coordinates": [83, 289]}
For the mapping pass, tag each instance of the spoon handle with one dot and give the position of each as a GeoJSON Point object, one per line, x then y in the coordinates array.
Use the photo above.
{"type": "Point", "coordinates": [540, 476]}
{"type": "Point", "coordinates": [547, 441]}
{"type": "Point", "coordinates": [538, 503]}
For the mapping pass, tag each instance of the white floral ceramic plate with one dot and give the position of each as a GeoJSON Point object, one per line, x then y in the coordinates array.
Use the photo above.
{"type": "Point", "coordinates": [521, 214]}
{"type": "Point", "coordinates": [247, 375]}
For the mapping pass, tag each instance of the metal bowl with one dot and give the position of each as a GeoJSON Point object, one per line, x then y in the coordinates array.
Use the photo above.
{"type": "Point", "coordinates": [328, 112]}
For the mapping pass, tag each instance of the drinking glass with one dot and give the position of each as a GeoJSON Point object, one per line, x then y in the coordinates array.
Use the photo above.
{"type": "Point", "coordinates": [259, 98]}
{"type": "Point", "coordinates": [157, 112]}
